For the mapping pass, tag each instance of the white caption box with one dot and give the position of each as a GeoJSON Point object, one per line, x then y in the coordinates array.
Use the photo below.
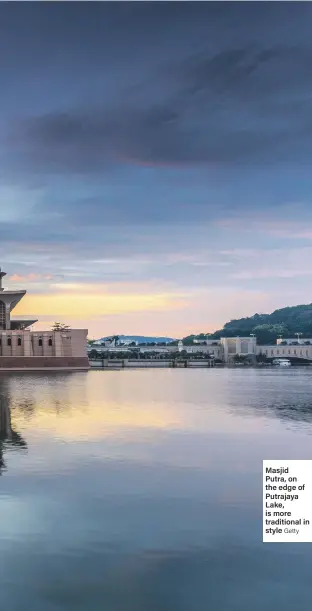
{"type": "Point", "coordinates": [287, 501]}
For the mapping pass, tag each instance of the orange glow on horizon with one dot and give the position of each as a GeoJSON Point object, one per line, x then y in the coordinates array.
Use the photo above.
{"type": "Point", "coordinates": [81, 305]}
{"type": "Point", "coordinates": [137, 308]}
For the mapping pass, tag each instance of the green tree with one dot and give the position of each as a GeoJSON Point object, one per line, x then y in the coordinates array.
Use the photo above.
{"type": "Point", "coordinates": [59, 326]}
{"type": "Point", "coordinates": [115, 338]}
{"type": "Point", "coordinates": [202, 336]}
{"type": "Point", "coordinates": [268, 327]}
{"type": "Point", "coordinates": [239, 358]}
{"type": "Point", "coordinates": [189, 340]}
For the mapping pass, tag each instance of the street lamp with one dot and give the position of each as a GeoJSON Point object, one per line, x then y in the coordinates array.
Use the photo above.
{"type": "Point", "coordinates": [298, 335]}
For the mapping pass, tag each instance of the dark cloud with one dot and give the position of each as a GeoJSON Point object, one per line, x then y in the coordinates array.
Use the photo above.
{"type": "Point", "coordinates": [239, 105]}
{"type": "Point", "coordinates": [165, 83]}
{"type": "Point", "coordinates": [213, 89]}
{"type": "Point", "coordinates": [242, 70]}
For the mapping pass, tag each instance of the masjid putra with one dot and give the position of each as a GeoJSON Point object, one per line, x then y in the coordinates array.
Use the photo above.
{"type": "Point", "coordinates": [22, 348]}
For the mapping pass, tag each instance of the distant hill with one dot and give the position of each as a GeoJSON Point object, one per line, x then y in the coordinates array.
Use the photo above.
{"type": "Point", "coordinates": [141, 339]}
{"type": "Point", "coordinates": [267, 328]}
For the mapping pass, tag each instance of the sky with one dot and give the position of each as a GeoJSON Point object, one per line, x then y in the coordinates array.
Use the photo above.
{"type": "Point", "coordinates": [155, 162]}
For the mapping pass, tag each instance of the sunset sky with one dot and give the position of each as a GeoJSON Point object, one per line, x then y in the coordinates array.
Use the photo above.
{"type": "Point", "coordinates": [155, 173]}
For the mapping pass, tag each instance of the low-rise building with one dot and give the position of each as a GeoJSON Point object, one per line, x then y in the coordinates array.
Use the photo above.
{"type": "Point", "coordinates": [227, 349]}
{"type": "Point", "coordinates": [242, 346]}
{"type": "Point", "coordinates": [299, 351]}
{"type": "Point", "coordinates": [293, 341]}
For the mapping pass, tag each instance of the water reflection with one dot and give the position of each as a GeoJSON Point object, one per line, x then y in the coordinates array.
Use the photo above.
{"type": "Point", "coordinates": [144, 490]}
{"type": "Point", "coordinates": [281, 395]}
{"type": "Point", "coordinates": [301, 411]}
{"type": "Point", "coordinates": [104, 404]}
{"type": "Point", "coordinates": [9, 438]}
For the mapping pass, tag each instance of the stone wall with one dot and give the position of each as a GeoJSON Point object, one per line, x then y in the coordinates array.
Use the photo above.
{"type": "Point", "coordinates": [43, 362]}
{"type": "Point", "coordinates": [28, 343]}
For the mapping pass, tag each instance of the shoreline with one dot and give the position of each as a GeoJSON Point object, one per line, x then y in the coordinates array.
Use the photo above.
{"type": "Point", "coordinates": [106, 364]}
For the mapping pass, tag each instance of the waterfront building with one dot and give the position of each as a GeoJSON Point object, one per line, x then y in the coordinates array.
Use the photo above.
{"type": "Point", "coordinates": [247, 346]}
{"type": "Point", "coordinates": [295, 350]}
{"type": "Point", "coordinates": [227, 349]}
{"type": "Point", "coordinates": [243, 346]}
{"type": "Point", "coordinates": [20, 347]}
{"type": "Point", "coordinates": [294, 341]}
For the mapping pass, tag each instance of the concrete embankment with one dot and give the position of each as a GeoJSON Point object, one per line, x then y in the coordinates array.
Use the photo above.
{"type": "Point", "coordinates": [141, 363]}
{"type": "Point", "coordinates": [43, 363]}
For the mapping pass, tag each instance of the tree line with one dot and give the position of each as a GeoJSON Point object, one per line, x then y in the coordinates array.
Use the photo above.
{"type": "Point", "coordinates": [284, 322]}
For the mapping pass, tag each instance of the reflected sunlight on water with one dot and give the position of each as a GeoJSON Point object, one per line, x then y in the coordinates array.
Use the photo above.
{"type": "Point", "coordinates": [142, 489]}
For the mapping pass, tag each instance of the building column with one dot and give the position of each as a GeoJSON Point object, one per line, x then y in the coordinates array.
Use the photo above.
{"type": "Point", "coordinates": [224, 351]}
{"type": "Point", "coordinates": [7, 316]}
{"type": "Point", "coordinates": [27, 347]}
{"type": "Point", "coordinates": [58, 345]}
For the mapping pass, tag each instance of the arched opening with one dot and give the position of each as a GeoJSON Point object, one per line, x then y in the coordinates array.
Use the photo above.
{"type": "Point", "coordinates": [2, 315]}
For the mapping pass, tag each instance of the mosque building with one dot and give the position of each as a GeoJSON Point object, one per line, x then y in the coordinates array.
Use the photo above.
{"type": "Point", "coordinates": [21, 348]}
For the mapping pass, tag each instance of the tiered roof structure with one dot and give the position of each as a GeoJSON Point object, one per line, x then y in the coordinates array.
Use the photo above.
{"type": "Point", "coordinates": [8, 301]}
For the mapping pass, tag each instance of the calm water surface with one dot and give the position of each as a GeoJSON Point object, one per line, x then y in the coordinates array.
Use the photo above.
{"type": "Point", "coordinates": [142, 490]}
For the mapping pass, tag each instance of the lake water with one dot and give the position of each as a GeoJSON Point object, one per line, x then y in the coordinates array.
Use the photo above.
{"type": "Point", "coordinates": [142, 490]}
